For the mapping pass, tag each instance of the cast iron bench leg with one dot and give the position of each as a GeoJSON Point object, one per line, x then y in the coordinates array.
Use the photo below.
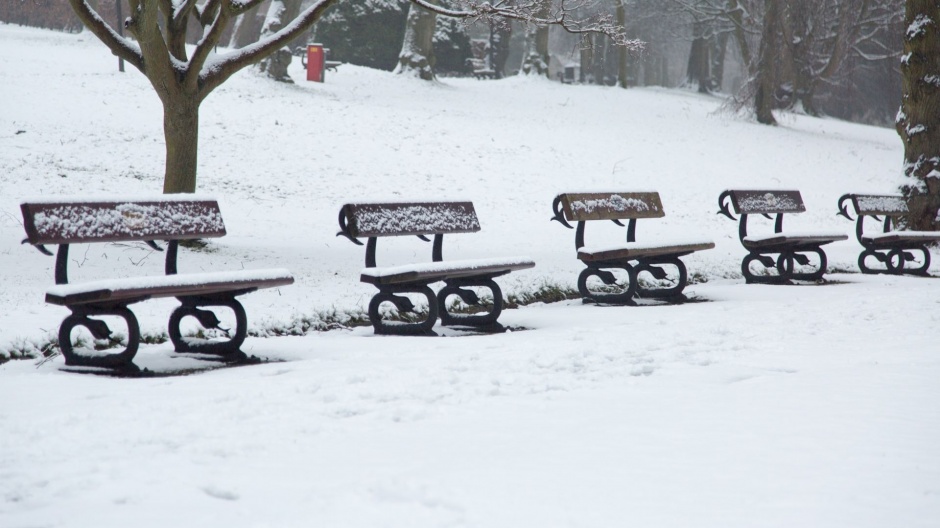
{"type": "Point", "coordinates": [895, 261]}
{"type": "Point", "coordinates": [403, 304]}
{"type": "Point", "coordinates": [191, 307]}
{"type": "Point", "coordinates": [99, 329]}
{"type": "Point", "coordinates": [624, 297]}
{"type": "Point", "coordinates": [457, 287]}
{"type": "Point", "coordinates": [651, 266]}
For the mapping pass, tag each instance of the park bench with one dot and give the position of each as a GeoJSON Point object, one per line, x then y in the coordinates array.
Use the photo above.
{"type": "Point", "coordinates": [170, 218]}
{"type": "Point", "coordinates": [790, 247]}
{"type": "Point", "coordinates": [890, 247]}
{"type": "Point", "coordinates": [374, 220]}
{"type": "Point", "coordinates": [632, 256]}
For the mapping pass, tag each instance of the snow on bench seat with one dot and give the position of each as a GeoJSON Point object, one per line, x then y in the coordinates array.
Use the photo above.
{"type": "Point", "coordinates": [920, 237]}
{"type": "Point", "coordinates": [792, 238]}
{"type": "Point", "coordinates": [634, 250]}
{"type": "Point", "coordinates": [167, 286]}
{"type": "Point", "coordinates": [451, 269]}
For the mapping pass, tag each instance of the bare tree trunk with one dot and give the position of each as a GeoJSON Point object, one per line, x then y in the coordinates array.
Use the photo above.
{"type": "Point", "coordinates": [500, 36]}
{"type": "Point", "coordinates": [719, 48]}
{"type": "Point", "coordinates": [765, 79]}
{"type": "Point", "coordinates": [536, 59]}
{"type": "Point", "coordinates": [736, 15]}
{"type": "Point", "coordinates": [280, 12]}
{"type": "Point", "coordinates": [918, 120]}
{"type": "Point", "coordinates": [600, 58]}
{"type": "Point", "coordinates": [622, 71]}
{"type": "Point", "coordinates": [247, 30]}
{"type": "Point", "coordinates": [181, 130]}
{"type": "Point", "coordinates": [697, 69]}
{"type": "Point", "coordinates": [586, 56]}
{"type": "Point", "coordinates": [417, 52]}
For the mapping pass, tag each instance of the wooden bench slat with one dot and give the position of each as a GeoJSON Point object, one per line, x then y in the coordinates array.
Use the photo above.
{"type": "Point", "coordinates": [767, 202]}
{"type": "Point", "coordinates": [775, 239]}
{"type": "Point", "coordinates": [893, 237]}
{"type": "Point", "coordinates": [166, 286]}
{"type": "Point", "coordinates": [115, 220]}
{"type": "Point", "coordinates": [611, 205]}
{"type": "Point", "coordinates": [631, 251]}
{"type": "Point", "coordinates": [410, 218]}
{"type": "Point", "coordinates": [436, 271]}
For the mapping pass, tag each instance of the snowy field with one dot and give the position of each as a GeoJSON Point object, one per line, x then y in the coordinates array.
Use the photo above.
{"type": "Point", "coordinates": [778, 406]}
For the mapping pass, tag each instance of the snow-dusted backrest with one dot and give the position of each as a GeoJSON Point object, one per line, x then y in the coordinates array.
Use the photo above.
{"type": "Point", "coordinates": [403, 218]}
{"type": "Point", "coordinates": [76, 220]}
{"type": "Point", "coordinates": [611, 206]}
{"type": "Point", "coordinates": [767, 202]}
{"type": "Point", "coordinates": [869, 204]}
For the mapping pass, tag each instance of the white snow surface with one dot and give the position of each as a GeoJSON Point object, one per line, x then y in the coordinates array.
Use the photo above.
{"type": "Point", "coordinates": [170, 281]}
{"type": "Point", "coordinates": [796, 234]}
{"type": "Point", "coordinates": [892, 204]}
{"type": "Point", "coordinates": [419, 218]}
{"type": "Point", "coordinates": [449, 265]}
{"type": "Point", "coordinates": [765, 406]}
{"type": "Point", "coordinates": [926, 235]}
{"type": "Point", "coordinates": [650, 244]}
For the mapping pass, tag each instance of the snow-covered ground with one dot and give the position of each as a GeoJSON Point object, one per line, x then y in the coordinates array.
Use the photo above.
{"type": "Point", "coordinates": [763, 406]}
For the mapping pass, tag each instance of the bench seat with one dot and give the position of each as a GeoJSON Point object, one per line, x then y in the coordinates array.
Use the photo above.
{"type": "Point", "coordinates": [437, 271]}
{"type": "Point", "coordinates": [893, 238]}
{"type": "Point", "coordinates": [792, 239]}
{"type": "Point", "coordinates": [635, 250]}
{"type": "Point", "coordinates": [166, 286]}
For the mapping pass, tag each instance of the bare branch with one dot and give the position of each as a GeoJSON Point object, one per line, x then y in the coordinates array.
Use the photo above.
{"type": "Point", "coordinates": [120, 46]}
{"type": "Point", "coordinates": [204, 47]}
{"type": "Point", "coordinates": [214, 74]}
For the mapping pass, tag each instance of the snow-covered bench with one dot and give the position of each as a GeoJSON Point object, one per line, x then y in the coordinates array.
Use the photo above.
{"type": "Point", "coordinates": [632, 256]}
{"type": "Point", "coordinates": [791, 247]}
{"type": "Point", "coordinates": [374, 220]}
{"type": "Point", "coordinates": [171, 218]}
{"type": "Point", "coordinates": [892, 248]}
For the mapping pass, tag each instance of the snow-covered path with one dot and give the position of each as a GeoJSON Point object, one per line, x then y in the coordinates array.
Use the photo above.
{"type": "Point", "coordinates": [765, 406]}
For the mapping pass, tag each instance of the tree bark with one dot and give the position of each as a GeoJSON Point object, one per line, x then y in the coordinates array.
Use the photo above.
{"type": "Point", "coordinates": [280, 12]}
{"type": "Point", "coordinates": [181, 130]}
{"type": "Point", "coordinates": [697, 69]}
{"type": "Point", "coordinates": [765, 80]}
{"type": "Point", "coordinates": [417, 51]}
{"type": "Point", "coordinates": [918, 121]}
{"type": "Point", "coordinates": [500, 37]}
{"type": "Point", "coordinates": [535, 61]}
{"type": "Point", "coordinates": [717, 53]}
{"type": "Point", "coordinates": [622, 71]}
{"type": "Point", "coordinates": [736, 15]}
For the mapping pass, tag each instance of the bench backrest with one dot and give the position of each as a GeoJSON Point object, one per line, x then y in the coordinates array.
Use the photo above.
{"type": "Point", "coordinates": [171, 217]}
{"type": "Point", "coordinates": [580, 207]}
{"type": "Point", "coordinates": [766, 202]}
{"type": "Point", "coordinates": [883, 205]}
{"type": "Point", "coordinates": [415, 218]}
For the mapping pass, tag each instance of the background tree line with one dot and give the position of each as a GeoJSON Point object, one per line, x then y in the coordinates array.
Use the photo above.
{"type": "Point", "coordinates": [836, 57]}
{"type": "Point", "coordinates": [823, 57]}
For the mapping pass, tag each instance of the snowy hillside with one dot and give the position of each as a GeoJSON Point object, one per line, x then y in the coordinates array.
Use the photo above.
{"type": "Point", "coordinates": [763, 406]}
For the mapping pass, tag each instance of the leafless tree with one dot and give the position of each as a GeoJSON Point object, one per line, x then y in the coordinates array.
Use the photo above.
{"type": "Point", "coordinates": [182, 80]}
{"type": "Point", "coordinates": [918, 120]}
{"type": "Point", "coordinates": [417, 52]}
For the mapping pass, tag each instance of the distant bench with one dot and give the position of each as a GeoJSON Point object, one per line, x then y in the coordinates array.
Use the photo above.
{"type": "Point", "coordinates": [374, 220]}
{"type": "Point", "coordinates": [171, 218]}
{"type": "Point", "coordinates": [632, 256]}
{"type": "Point", "coordinates": [790, 247]}
{"type": "Point", "coordinates": [894, 249]}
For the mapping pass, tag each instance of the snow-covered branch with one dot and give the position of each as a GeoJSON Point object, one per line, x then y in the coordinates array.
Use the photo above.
{"type": "Point", "coordinates": [563, 15]}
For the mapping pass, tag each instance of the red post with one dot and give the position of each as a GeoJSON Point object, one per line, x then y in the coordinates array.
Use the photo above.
{"type": "Point", "coordinates": [316, 63]}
